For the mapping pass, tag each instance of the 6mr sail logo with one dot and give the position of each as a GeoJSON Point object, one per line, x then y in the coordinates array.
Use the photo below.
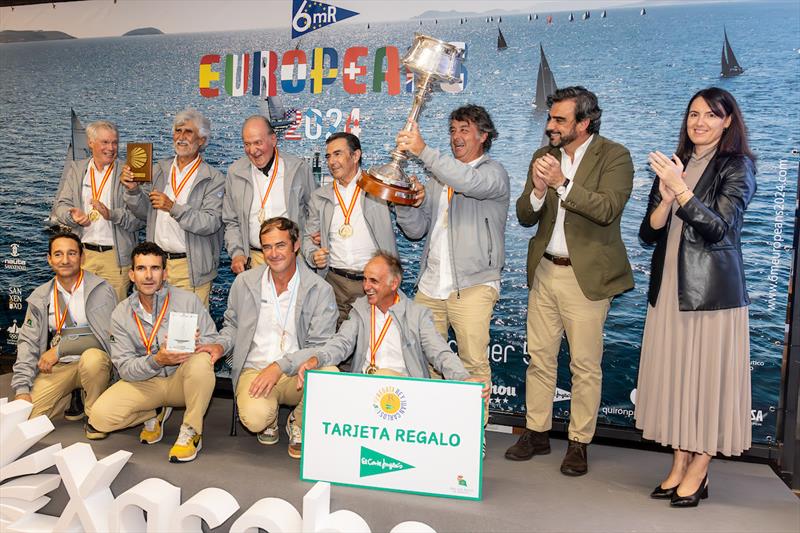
{"type": "Point", "coordinates": [309, 16]}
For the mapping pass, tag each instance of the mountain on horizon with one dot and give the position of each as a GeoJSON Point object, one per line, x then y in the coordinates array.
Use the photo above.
{"type": "Point", "coordinates": [143, 31]}
{"type": "Point", "coordinates": [455, 14]}
{"type": "Point", "coordinates": [24, 36]}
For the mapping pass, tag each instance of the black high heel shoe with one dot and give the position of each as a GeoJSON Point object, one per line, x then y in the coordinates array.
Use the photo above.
{"type": "Point", "coordinates": [660, 493]}
{"type": "Point", "coordinates": [693, 499]}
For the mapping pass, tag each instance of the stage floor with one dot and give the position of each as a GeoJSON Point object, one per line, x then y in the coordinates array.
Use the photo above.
{"type": "Point", "coordinates": [523, 497]}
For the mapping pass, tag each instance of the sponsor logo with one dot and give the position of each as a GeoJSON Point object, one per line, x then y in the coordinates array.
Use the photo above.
{"type": "Point", "coordinates": [373, 463]}
{"type": "Point", "coordinates": [390, 403]}
{"type": "Point", "coordinates": [504, 390]}
{"type": "Point", "coordinates": [757, 416]}
{"type": "Point", "coordinates": [562, 395]}
{"type": "Point", "coordinates": [617, 411]}
{"type": "Point", "coordinates": [461, 481]}
{"type": "Point", "coordinates": [13, 334]}
{"type": "Point", "coordinates": [15, 298]}
{"type": "Point", "coordinates": [308, 16]}
{"type": "Point", "coordinates": [14, 263]}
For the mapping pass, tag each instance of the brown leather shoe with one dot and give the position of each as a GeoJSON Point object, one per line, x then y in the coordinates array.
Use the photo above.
{"type": "Point", "coordinates": [530, 443]}
{"type": "Point", "coordinates": [575, 461]}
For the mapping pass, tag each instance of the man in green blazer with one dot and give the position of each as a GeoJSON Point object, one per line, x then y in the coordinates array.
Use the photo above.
{"type": "Point", "coordinates": [576, 190]}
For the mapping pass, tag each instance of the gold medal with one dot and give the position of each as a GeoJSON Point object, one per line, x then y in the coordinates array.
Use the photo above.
{"type": "Point", "coordinates": [444, 219]}
{"type": "Point", "coordinates": [345, 231]}
{"type": "Point", "coordinates": [372, 369]}
{"type": "Point", "coordinates": [283, 341]}
{"type": "Point", "coordinates": [261, 216]}
{"type": "Point", "coordinates": [56, 340]}
{"type": "Point", "coordinates": [94, 215]}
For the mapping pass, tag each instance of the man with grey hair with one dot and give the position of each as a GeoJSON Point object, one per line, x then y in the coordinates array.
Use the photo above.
{"type": "Point", "coordinates": [265, 183]}
{"type": "Point", "coordinates": [90, 202]}
{"type": "Point", "coordinates": [183, 206]}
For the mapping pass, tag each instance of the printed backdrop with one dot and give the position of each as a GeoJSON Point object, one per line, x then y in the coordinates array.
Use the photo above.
{"type": "Point", "coordinates": [643, 68]}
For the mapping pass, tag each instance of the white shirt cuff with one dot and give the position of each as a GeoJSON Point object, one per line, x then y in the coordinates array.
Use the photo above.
{"type": "Point", "coordinates": [537, 203]}
{"type": "Point", "coordinates": [569, 188]}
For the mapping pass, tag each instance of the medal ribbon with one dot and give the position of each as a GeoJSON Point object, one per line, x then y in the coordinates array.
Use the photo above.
{"type": "Point", "coordinates": [59, 319]}
{"type": "Point", "coordinates": [373, 343]}
{"type": "Point", "coordinates": [271, 179]}
{"type": "Point", "coordinates": [176, 189]}
{"type": "Point", "coordinates": [292, 298]}
{"type": "Point", "coordinates": [148, 341]}
{"type": "Point", "coordinates": [348, 211]}
{"type": "Point", "coordinates": [95, 191]}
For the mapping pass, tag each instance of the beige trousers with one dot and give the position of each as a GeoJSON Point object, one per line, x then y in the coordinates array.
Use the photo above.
{"type": "Point", "coordinates": [104, 264]}
{"type": "Point", "coordinates": [91, 373]}
{"type": "Point", "coordinates": [256, 259]}
{"type": "Point", "coordinates": [178, 275]}
{"type": "Point", "coordinates": [346, 292]}
{"type": "Point", "coordinates": [129, 403]}
{"type": "Point", "coordinates": [556, 305]}
{"type": "Point", "coordinates": [470, 316]}
{"type": "Point", "coordinates": [257, 414]}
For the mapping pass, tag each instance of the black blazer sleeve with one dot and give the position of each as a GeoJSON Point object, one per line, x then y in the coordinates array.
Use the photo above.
{"type": "Point", "coordinates": [736, 187]}
{"type": "Point", "coordinates": [647, 234]}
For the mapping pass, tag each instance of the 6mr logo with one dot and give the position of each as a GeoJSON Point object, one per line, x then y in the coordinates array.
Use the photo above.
{"type": "Point", "coordinates": [309, 16]}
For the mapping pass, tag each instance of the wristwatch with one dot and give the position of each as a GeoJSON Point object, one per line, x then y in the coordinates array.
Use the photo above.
{"type": "Point", "coordinates": [563, 187]}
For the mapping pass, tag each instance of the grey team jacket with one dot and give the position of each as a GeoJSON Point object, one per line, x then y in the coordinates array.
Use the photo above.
{"type": "Point", "coordinates": [299, 184]}
{"type": "Point", "coordinates": [315, 314]}
{"type": "Point", "coordinates": [478, 212]}
{"type": "Point", "coordinates": [200, 217]}
{"type": "Point", "coordinates": [123, 222]}
{"type": "Point", "coordinates": [376, 215]}
{"type": "Point", "coordinates": [127, 348]}
{"type": "Point", "coordinates": [421, 343]}
{"type": "Point", "coordinates": [99, 300]}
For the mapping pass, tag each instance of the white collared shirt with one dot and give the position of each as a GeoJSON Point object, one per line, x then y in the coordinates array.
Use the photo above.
{"type": "Point", "coordinates": [275, 205]}
{"type": "Point", "coordinates": [169, 235]}
{"type": "Point", "coordinates": [354, 252]}
{"type": "Point", "coordinates": [390, 352]}
{"type": "Point", "coordinates": [437, 280]}
{"type": "Point", "coordinates": [100, 231]}
{"type": "Point", "coordinates": [558, 241]}
{"type": "Point", "coordinates": [276, 320]}
{"type": "Point", "coordinates": [76, 307]}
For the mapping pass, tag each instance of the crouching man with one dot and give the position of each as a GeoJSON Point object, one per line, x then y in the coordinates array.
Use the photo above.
{"type": "Point", "coordinates": [63, 343]}
{"type": "Point", "coordinates": [154, 379]}
{"type": "Point", "coordinates": [274, 309]}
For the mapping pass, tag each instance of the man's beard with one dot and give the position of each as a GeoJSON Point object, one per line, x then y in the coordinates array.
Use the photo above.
{"type": "Point", "coordinates": [565, 139]}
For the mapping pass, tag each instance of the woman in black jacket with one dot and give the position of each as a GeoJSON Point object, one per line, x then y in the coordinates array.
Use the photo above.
{"type": "Point", "coordinates": [694, 375]}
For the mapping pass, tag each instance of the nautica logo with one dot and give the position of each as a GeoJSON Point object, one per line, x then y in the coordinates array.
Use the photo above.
{"type": "Point", "coordinates": [309, 16]}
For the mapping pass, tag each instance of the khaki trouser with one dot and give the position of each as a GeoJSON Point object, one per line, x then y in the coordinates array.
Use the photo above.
{"type": "Point", "coordinates": [556, 304]}
{"type": "Point", "coordinates": [129, 403]}
{"type": "Point", "coordinates": [257, 414]}
{"type": "Point", "coordinates": [256, 259]}
{"type": "Point", "coordinates": [104, 264]}
{"type": "Point", "coordinates": [346, 291]}
{"type": "Point", "coordinates": [470, 316]}
{"type": "Point", "coordinates": [91, 373]}
{"type": "Point", "coordinates": [178, 276]}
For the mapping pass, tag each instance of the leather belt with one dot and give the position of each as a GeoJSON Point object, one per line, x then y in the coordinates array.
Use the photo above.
{"type": "Point", "coordinates": [355, 276]}
{"type": "Point", "coordinates": [97, 247]}
{"type": "Point", "coordinates": [560, 261]}
{"type": "Point", "coordinates": [172, 255]}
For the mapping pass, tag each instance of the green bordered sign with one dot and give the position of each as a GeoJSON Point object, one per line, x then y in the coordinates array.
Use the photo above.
{"type": "Point", "coordinates": [421, 436]}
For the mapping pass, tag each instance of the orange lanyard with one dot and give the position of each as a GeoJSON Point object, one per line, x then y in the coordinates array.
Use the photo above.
{"type": "Point", "coordinates": [176, 189]}
{"type": "Point", "coordinates": [450, 192]}
{"type": "Point", "coordinates": [271, 179]}
{"type": "Point", "coordinates": [375, 344]}
{"type": "Point", "coordinates": [348, 211]}
{"type": "Point", "coordinates": [148, 341]}
{"type": "Point", "coordinates": [95, 191]}
{"type": "Point", "coordinates": [59, 319]}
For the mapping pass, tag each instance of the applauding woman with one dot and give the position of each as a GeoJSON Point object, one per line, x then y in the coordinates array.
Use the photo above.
{"type": "Point", "coordinates": [694, 374]}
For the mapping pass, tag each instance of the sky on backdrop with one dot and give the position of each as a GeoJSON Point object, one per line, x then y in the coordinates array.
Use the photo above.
{"type": "Point", "coordinates": [103, 18]}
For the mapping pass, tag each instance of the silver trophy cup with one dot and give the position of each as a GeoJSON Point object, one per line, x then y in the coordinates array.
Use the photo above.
{"type": "Point", "coordinates": [430, 60]}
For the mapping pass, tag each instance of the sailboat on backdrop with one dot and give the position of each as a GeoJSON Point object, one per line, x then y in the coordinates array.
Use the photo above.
{"type": "Point", "coordinates": [730, 67]}
{"type": "Point", "coordinates": [604, 15]}
{"type": "Point", "coordinates": [501, 41]}
{"type": "Point", "coordinates": [643, 12]}
{"type": "Point", "coordinates": [279, 117]}
{"type": "Point", "coordinates": [545, 86]}
{"type": "Point", "coordinates": [78, 149]}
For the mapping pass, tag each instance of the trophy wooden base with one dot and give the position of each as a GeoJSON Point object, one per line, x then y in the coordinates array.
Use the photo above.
{"type": "Point", "coordinates": [390, 193]}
